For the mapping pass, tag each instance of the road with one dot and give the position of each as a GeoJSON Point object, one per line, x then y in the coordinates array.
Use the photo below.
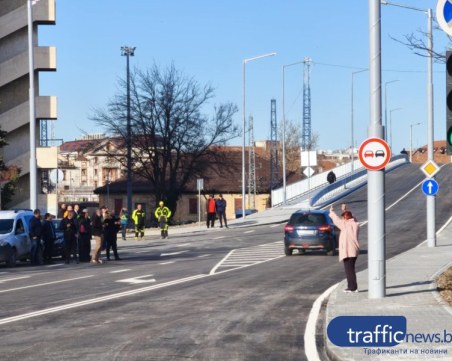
{"type": "Point", "coordinates": [227, 294]}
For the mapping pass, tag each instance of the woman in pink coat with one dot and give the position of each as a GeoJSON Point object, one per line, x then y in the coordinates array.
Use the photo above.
{"type": "Point", "coordinates": [348, 245]}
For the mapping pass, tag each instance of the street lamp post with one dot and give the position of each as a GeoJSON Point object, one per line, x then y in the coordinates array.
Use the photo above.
{"type": "Point", "coordinates": [386, 106]}
{"type": "Point", "coordinates": [244, 124]}
{"type": "Point", "coordinates": [284, 129]}
{"type": "Point", "coordinates": [352, 122]}
{"type": "Point", "coordinates": [411, 140]}
{"type": "Point", "coordinates": [431, 231]}
{"type": "Point", "coordinates": [32, 119]}
{"type": "Point", "coordinates": [128, 52]}
{"type": "Point", "coordinates": [390, 126]}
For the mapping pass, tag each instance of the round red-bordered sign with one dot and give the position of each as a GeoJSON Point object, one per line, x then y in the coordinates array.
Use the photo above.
{"type": "Point", "coordinates": [374, 153]}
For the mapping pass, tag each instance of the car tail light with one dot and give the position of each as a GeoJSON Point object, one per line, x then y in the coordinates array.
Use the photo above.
{"type": "Point", "coordinates": [288, 228]}
{"type": "Point", "coordinates": [326, 228]}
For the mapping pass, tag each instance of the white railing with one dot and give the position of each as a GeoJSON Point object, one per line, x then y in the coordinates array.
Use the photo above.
{"type": "Point", "coordinates": [296, 190]}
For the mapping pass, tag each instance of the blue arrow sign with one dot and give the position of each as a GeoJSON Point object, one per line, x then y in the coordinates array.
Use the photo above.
{"type": "Point", "coordinates": [430, 187]}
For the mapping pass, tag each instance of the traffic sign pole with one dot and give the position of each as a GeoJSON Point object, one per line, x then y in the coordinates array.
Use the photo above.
{"type": "Point", "coordinates": [376, 191]}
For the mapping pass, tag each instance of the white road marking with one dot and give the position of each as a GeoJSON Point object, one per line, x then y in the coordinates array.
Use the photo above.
{"type": "Point", "coordinates": [310, 347]}
{"type": "Point", "coordinates": [163, 263]}
{"type": "Point", "coordinates": [252, 231]}
{"type": "Point", "coordinates": [113, 296]}
{"type": "Point", "coordinates": [213, 270]}
{"type": "Point", "coordinates": [204, 255]}
{"type": "Point", "coordinates": [139, 279]}
{"type": "Point", "coordinates": [173, 254]}
{"type": "Point", "coordinates": [121, 270]}
{"type": "Point", "coordinates": [220, 237]}
{"type": "Point", "coordinates": [145, 251]}
{"type": "Point", "coordinates": [14, 279]}
{"type": "Point", "coordinates": [183, 245]}
{"type": "Point", "coordinates": [54, 265]}
{"type": "Point", "coordinates": [45, 284]}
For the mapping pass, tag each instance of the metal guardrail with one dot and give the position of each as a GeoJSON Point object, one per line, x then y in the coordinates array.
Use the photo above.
{"type": "Point", "coordinates": [344, 178]}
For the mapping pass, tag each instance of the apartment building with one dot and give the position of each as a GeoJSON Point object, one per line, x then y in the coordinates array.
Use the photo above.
{"type": "Point", "coordinates": [14, 96]}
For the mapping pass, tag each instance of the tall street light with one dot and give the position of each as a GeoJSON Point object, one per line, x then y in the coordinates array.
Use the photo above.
{"type": "Point", "coordinates": [431, 231]}
{"type": "Point", "coordinates": [32, 119]}
{"type": "Point", "coordinates": [390, 126]}
{"type": "Point", "coordinates": [244, 125]}
{"type": "Point", "coordinates": [352, 121]}
{"type": "Point", "coordinates": [411, 140]}
{"type": "Point", "coordinates": [284, 129]}
{"type": "Point", "coordinates": [386, 106]}
{"type": "Point", "coordinates": [128, 51]}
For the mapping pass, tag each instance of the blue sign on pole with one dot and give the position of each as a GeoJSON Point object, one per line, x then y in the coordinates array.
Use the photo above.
{"type": "Point", "coordinates": [430, 187]}
{"type": "Point", "coordinates": [444, 15]}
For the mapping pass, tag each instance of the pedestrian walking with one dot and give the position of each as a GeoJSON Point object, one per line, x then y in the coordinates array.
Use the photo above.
{"type": "Point", "coordinates": [84, 238]}
{"type": "Point", "coordinates": [69, 228]}
{"type": "Point", "coordinates": [139, 220]}
{"type": "Point", "coordinates": [348, 245]}
{"type": "Point", "coordinates": [220, 204]}
{"type": "Point", "coordinates": [35, 232]}
{"type": "Point", "coordinates": [48, 236]}
{"type": "Point", "coordinates": [163, 213]}
{"type": "Point", "coordinates": [97, 230]}
{"type": "Point", "coordinates": [124, 218]}
{"type": "Point", "coordinates": [111, 229]}
{"type": "Point", "coordinates": [211, 211]}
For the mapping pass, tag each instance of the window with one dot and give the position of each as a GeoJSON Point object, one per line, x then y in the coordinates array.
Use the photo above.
{"type": "Point", "coordinates": [193, 206]}
{"type": "Point", "coordinates": [20, 227]}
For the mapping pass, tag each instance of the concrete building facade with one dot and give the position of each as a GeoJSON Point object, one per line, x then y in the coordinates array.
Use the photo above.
{"type": "Point", "coordinates": [14, 96]}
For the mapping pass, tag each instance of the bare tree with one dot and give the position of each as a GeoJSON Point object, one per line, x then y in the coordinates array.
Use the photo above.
{"type": "Point", "coordinates": [173, 139]}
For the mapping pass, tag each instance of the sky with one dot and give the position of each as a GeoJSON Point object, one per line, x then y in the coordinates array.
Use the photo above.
{"type": "Point", "coordinates": [208, 40]}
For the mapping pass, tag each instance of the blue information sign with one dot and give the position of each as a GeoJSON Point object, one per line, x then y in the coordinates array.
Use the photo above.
{"type": "Point", "coordinates": [430, 187]}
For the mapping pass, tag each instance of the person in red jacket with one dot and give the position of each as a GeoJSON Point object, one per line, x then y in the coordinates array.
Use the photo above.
{"type": "Point", "coordinates": [211, 211]}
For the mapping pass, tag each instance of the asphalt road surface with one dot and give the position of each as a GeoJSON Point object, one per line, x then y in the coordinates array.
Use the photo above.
{"type": "Point", "coordinates": [227, 294]}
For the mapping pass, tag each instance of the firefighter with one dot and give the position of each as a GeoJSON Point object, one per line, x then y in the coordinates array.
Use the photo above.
{"type": "Point", "coordinates": [138, 217]}
{"type": "Point", "coordinates": [162, 214]}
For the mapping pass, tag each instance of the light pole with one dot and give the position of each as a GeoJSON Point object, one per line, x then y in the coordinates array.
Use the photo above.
{"type": "Point", "coordinates": [411, 140]}
{"type": "Point", "coordinates": [32, 120]}
{"type": "Point", "coordinates": [390, 126]}
{"type": "Point", "coordinates": [431, 231]}
{"type": "Point", "coordinates": [128, 52]}
{"type": "Point", "coordinates": [386, 106]}
{"type": "Point", "coordinates": [284, 129]}
{"type": "Point", "coordinates": [244, 124]}
{"type": "Point", "coordinates": [352, 122]}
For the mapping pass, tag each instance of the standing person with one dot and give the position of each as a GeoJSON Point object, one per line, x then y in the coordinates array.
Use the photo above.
{"type": "Point", "coordinates": [48, 236]}
{"type": "Point", "coordinates": [69, 228]}
{"type": "Point", "coordinates": [220, 205]}
{"type": "Point", "coordinates": [111, 228]}
{"type": "Point", "coordinates": [211, 211]}
{"type": "Point", "coordinates": [124, 218]}
{"type": "Point", "coordinates": [162, 213]}
{"type": "Point", "coordinates": [138, 217]}
{"type": "Point", "coordinates": [76, 211]}
{"type": "Point", "coordinates": [35, 231]}
{"type": "Point", "coordinates": [97, 230]}
{"type": "Point", "coordinates": [348, 246]}
{"type": "Point", "coordinates": [66, 212]}
{"type": "Point", "coordinates": [84, 238]}
{"type": "Point", "coordinates": [61, 210]}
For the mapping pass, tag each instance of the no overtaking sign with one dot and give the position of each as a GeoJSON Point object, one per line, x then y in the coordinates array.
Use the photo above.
{"type": "Point", "coordinates": [374, 153]}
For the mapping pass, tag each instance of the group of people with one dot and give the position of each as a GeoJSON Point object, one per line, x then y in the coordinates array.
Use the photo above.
{"type": "Point", "coordinates": [214, 208]}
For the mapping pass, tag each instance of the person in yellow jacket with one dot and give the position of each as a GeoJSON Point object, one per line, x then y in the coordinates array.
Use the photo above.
{"type": "Point", "coordinates": [138, 217]}
{"type": "Point", "coordinates": [162, 214]}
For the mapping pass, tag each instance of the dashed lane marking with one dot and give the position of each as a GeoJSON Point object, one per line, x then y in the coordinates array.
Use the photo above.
{"type": "Point", "coordinates": [204, 255]}
{"type": "Point", "coordinates": [252, 231]}
{"type": "Point", "coordinates": [14, 279]}
{"type": "Point", "coordinates": [120, 270]}
{"type": "Point", "coordinates": [44, 284]}
{"type": "Point", "coordinates": [245, 257]}
{"type": "Point", "coordinates": [173, 253]}
{"type": "Point", "coordinates": [164, 263]}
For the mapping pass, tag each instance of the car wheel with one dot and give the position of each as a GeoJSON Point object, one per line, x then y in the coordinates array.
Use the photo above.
{"type": "Point", "coordinates": [12, 258]}
{"type": "Point", "coordinates": [288, 251]}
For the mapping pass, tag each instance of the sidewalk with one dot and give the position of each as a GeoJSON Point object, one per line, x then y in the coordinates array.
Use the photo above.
{"type": "Point", "coordinates": [410, 292]}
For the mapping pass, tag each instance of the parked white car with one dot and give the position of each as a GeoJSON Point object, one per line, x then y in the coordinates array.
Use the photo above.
{"type": "Point", "coordinates": [15, 243]}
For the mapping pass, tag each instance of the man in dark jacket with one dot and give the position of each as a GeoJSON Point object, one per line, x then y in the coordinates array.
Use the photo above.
{"type": "Point", "coordinates": [48, 236]}
{"type": "Point", "coordinates": [69, 227]}
{"type": "Point", "coordinates": [97, 229]}
{"type": "Point", "coordinates": [220, 204]}
{"type": "Point", "coordinates": [35, 232]}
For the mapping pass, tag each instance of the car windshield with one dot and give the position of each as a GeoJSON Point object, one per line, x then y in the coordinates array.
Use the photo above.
{"type": "Point", "coordinates": [308, 219]}
{"type": "Point", "coordinates": [6, 226]}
